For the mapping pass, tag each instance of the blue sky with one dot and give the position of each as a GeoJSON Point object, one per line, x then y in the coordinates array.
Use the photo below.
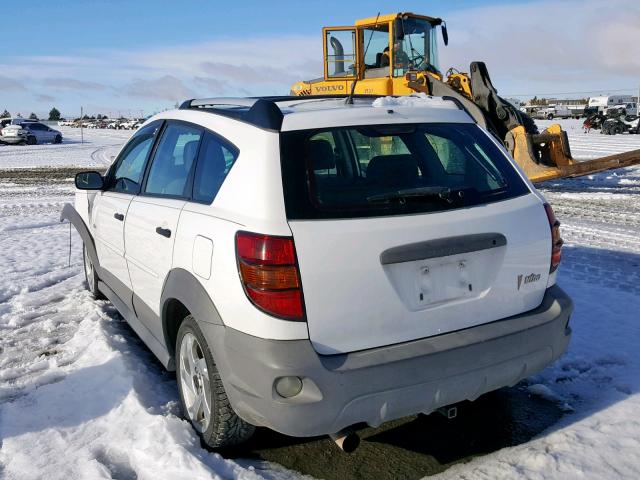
{"type": "Point", "coordinates": [131, 56]}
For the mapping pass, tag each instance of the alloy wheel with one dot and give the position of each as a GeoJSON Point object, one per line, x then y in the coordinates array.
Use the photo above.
{"type": "Point", "coordinates": [194, 382]}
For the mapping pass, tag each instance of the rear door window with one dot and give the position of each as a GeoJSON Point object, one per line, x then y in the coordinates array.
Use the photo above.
{"type": "Point", "coordinates": [173, 160]}
{"type": "Point", "coordinates": [215, 159]}
{"type": "Point", "coordinates": [392, 170]}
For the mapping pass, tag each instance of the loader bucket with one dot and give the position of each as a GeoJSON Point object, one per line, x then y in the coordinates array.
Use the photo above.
{"type": "Point", "coordinates": [547, 156]}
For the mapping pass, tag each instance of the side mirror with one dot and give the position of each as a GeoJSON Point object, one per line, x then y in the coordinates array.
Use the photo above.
{"type": "Point", "coordinates": [445, 35]}
{"type": "Point", "coordinates": [89, 181]}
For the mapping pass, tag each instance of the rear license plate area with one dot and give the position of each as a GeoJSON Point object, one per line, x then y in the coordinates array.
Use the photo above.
{"type": "Point", "coordinates": [442, 282]}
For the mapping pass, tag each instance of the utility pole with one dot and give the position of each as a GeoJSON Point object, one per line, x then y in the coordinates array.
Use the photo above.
{"type": "Point", "coordinates": [81, 122]}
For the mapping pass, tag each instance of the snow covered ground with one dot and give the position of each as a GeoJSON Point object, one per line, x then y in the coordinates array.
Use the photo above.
{"type": "Point", "coordinates": [96, 150]}
{"type": "Point", "coordinates": [81, 397]}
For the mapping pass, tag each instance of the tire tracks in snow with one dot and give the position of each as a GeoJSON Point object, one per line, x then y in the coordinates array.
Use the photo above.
{"type": "Point", "coordinates": [602, 235]}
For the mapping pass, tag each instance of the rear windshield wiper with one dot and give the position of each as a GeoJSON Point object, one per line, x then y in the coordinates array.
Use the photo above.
{"type": "Point", "coordinates": [446, 194]}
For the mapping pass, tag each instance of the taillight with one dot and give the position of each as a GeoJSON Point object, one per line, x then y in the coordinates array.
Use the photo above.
{"type": "Point", "coordinates": [269, 274]}
{"type": "Point", "coordinates": [556, 240]}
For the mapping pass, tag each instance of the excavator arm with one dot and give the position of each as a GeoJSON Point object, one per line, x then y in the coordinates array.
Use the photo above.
{"type": "Point", "coordinates": [542, 156]}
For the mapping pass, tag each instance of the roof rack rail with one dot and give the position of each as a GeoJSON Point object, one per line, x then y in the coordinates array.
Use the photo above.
{"type": "Point", "coordinates": [218, 101]}
{"type": "Point", "coordinates": [257, 111]}
{"type": "Point", "coordinates": [262, 112]}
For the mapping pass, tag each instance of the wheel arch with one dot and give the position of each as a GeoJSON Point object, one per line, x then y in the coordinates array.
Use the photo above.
{"type": "Point", "coordinates": [183, 294]}
{"type": "Point", "coordinates": [70, 214]}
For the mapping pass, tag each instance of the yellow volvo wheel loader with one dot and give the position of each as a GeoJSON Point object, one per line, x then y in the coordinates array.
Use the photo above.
{"type": "Point", "coordinates": [397, 55]}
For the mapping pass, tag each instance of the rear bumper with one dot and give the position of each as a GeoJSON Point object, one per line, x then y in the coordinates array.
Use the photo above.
{"type": "Point", "coordinates": [385, 383]}
{"type": "Point", "coordinates": [13, 140]}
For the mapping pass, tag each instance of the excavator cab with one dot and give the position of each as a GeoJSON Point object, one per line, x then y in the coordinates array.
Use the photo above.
{"type": "Point", "coordinates": [377, 53]}
{"type": "Point", "coordinates": [397, 54]}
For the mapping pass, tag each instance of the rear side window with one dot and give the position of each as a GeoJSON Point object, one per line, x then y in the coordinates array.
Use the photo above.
{"type": "Point", "coordinates": [215, 159]}
{"type": "Point", "coordinates": [392, 170]}
{"type": "Point", "coordinates": [175, 156]}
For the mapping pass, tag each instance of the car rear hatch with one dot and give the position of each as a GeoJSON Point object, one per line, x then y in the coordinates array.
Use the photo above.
{"type": "Point", "coordinates": [12, 131]}
{"type": "Point", "coordinates": [405, 234]}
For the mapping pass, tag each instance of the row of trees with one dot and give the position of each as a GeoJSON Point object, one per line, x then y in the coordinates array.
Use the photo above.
{"type": "Point", "coordinates": [54, 115]}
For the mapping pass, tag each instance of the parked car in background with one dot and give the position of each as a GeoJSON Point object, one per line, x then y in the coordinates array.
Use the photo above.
{"type": "Point", "coordinates": [630, 108]}
{"type": "Point", "coordinates": [14, 121]}
{"type": "Point", "coordinates": [15, 135]}
{"type": "Point", "coordinates": [30, 133]}
{"type": "Point", "coordinates": [558, 111]}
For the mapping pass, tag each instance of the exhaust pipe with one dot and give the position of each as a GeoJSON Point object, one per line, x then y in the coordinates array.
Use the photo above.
{"type": "Point", "coordinates": [346, 440]}
{"type": "Point", "coordinates": [449, 412]}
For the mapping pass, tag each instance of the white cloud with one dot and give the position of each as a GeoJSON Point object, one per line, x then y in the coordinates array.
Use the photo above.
{"type": "Point", "coordinates": [166, 87]}
{"type": "Point", "coordinates": [550, 46]}
{"type": "Point", "coordinates": [253, 66]}
{"type": "Point", "coordinates": [72, 84]}
{"type": "Point", "coordinates": [212, 85]}
{"type": "Point", "coordinates": [44, 98]}
{"type": "Point", "coordinates": [10, 85]}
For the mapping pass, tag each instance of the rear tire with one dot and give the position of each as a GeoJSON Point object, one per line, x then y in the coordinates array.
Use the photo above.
{"type": "Point", "coordinates": [203, 397]}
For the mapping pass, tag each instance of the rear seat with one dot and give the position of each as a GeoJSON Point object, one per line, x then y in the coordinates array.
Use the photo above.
{"type": "Point", "coordinates": [393, 170]}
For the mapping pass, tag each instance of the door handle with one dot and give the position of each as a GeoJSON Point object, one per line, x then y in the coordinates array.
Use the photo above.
{"type": "Point", "coordinates": [118, 216]}
{"type": "Point", "coordinates": [165, 232]}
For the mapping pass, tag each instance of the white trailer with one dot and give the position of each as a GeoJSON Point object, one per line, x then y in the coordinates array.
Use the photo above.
{"type": "Point", "coordinates": [605, 101]}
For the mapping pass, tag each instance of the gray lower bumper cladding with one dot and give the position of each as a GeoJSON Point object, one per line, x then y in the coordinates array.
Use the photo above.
{"type": "Point", "coordinates": [382, 384]}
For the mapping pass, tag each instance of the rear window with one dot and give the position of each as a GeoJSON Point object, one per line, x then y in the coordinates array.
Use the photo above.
{"type": "Point", "coordinates": [381, 170]}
